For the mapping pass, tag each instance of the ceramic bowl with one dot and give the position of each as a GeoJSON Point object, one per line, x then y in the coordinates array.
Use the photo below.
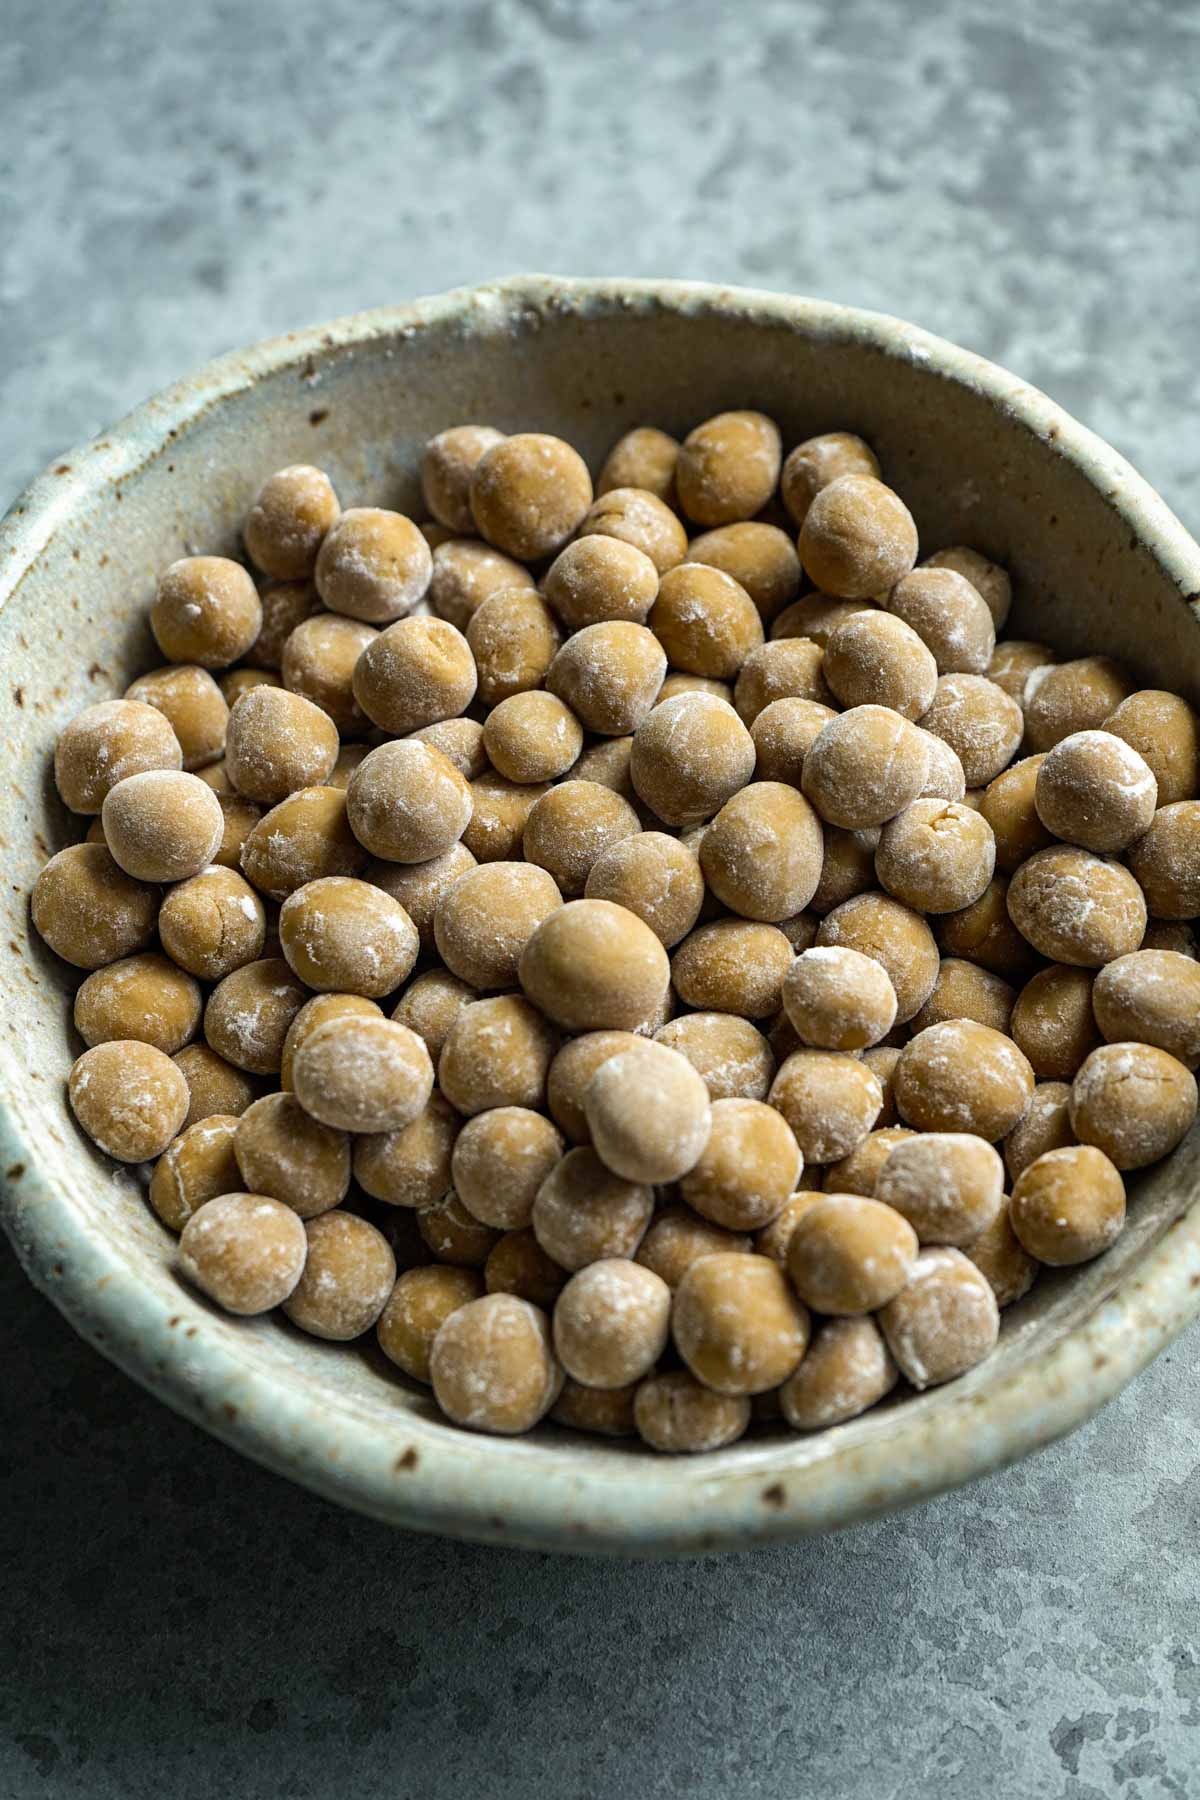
{"type": "Point", "coordinates": [1099, 563]}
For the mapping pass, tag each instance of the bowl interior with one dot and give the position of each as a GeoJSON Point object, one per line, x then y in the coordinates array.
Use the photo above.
{"type": "Point", "coordinates": [1098, 564]}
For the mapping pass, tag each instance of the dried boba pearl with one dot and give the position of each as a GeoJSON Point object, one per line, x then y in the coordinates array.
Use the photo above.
{"type": "Point", "coordinates": [529, 493]}
{"type": "Point", "coordinates": [283, 1152]}
{"type": "Point", "coordinates": [103, 744]}
{"type": "Point", "coordinates": [514, 638]}
{"type": "Point", "coordinates": [985, 933]}
{"type": "Point", "coordinates": [831, 1101]}
{"type": "Point", "coordinates": [1148, 997]}
{"type": "Point", "coordinates": [196, 1166]}
{"type": "Point", "coordinates": [212, 924]}
{"type": "Point", "coordinates": [1166, 862]}
{"type": "Point", "coordinates": [728, 467]}
{"type": "Point", "coordinates": [605, 1412]}
{"type": "Point", "coordinates": [345, 936]}
{"type": "Point", "coordinates": [1077, 908]}
{"type": "Point", "coordinates": [571, 1073]}
{"type": "Point", "coordinates": [866, 766]}
{"type": "Point", "coordinates": [705, 621]}
{"type": "Point", "coordinates": [285, 605]}
{"type": "Point", "coordinates": [1171, 934]}
{"type": "Point", "coordinates": [846, 1369]}
{"type": "Point", "coordinates": [874, 657]}
{"type": "Point", "coordinates": [960, 1076]}
{"type": "Point", "coordinates": [1045, 1126]}
{"type": "Point", "coordinates": [497, 1054]}
{"type": "Point", "coordinates": [839, 999]}
{"type": "Point", "coordinates": [409, 1167]}
{"type": "Point", "coordinates": [416, 672]}
{"type": "Point", "coordinates": [245, 1251]}
{"type": "Point", "coordinates": [949, 1186]}
{"type": "Point", "coordinates": [847, 868]}
{"type": "Point", "coordinates": [980, 722]}
{"type": "Point", "coordinates": [732, 965]}
{"type": "Point", "coordinates": [859, 1172]}
{"type": "Point", "coordinates": [944, 778]}
{"type": "Point", "coordinates": [316, 1012]}
{"type": "Point", "coordinates": [532, 737]}
{"type": "Point", "coordinates": [818, 461]}
{"type": "Point", "coordinates": [1003, 1260]}
{"type": "Point", "coordinates": [215, 1087]}
{"type": "Point", "coordinates": [678, 1237]}
{"type": "Point", "coordinates": [680, 1416]}
{"type": "Point", "coordinates": [639, 517]}
{"type": "Point", "coordinates": [1063, 698]}
{"type": "Point", "coordinates": [348, 1277]}
{"type": "Point", "coordinates": [419, 887]}
{"type": "Point", "coordinates": [129, 1098]}
{"type": "Point", "coordinates": [737, 1324]}
{"type": "Point", "coordinates": [733, 1057]}
{"type": "Point", "coordinates": [762, 854]}
{"type": "Point", "coordinates": [139, 997]}
{"type": "Point", "coordinates": [1010, 807]}
{"type": "Point", "coordinates": [848, 1254]}
{"type": "Point", "coordinates": [1053, 1023]}
{"type": "Point", "coordinates": [501, 1157]}
{"type": "Point", "coordinates": [278, 742]}
{"type": "Point", "coordinates": [759, 557]}
{"type": "Point", "coordinates": [583, 1212]}
{"type": "Point", "coordinates": [499, 811]}
{"type": "Point", "coordinates": [858, 538]}
{"type": "Point", "coordinates": [944, 1321]}
{"type": "Point", "coordinates": [418, 1306]}
{"type": "Point", "coordinates": [1093, 789]}
{"type": "Point", "coordinates": [467, 573]}
{"type": "Point", "coordinates": [373, 565]}
{"type": "Point", "coordinates": [597, 578]}
{"type": "Point", "coordinates": [950, 617]}
{"type": "Point", "coordinates": [460, 742]}
{"type": "Point", "coordinates": [986, 577]}
{"type": "Point", "coordinates": [485, 919]}
{"type": "Point", "coordinates": [447, 466]}
{"type": "Point", "coordinates": [611, 1322]}
{"type": "Point", "coordinates": [205, 610]}
{"type": "Point", "coordinates": [407, 803]}
{"type": "Point", "coordinates": [1165, 731]}
{"type": "Point", "coordinates": [784, 732]}
{"type": "Point", "coordinates": [236, 682]}
{"type": "Point", "coordinates": [363, 1073]}
{"type": "Point", "coordinates": [288, 518]}
{"type": "Point", "coordinates": [965, 991]}
{"type": "Point", "coordinates": [642, 458]}
{"type": "Point", "coordinates": [895, 936]}
{"type": "Point", "coordinates": [518, 1265]}
{"type": "Point", "coordinates": [492, 1365]}
{"type": "Point", "coordinates": [305, 837]}
{"type": "Point", "coordinates": [609, 675]}
{"type": "Point", "coordinates": [653, 876]}
{"type": "Point", "coordinates": [815, 616]}
{"type": "Point", "coordinates": [690, 755]}
{"type": "Point", "coordinates": [648, 1114]}
{"type": "Point", "coordinates": [248, 1014]}
{"type": "Point", "coordinates": [1014, 661]}
{"type": "Point", "coordinates": [1068, 1206]}
{"type": "Point", "coordinates": [748, 1167]}
{"type": "Point", "coordinates": [162, 825]}
{"type": "Point", "coordinates": [784, 669]}
{"type": "Point", "coordinates": [937, 856]}
{"type": "Point", "coordinates": [1133, 1101]}
{"type": "Point", "coordinates": [318, 663]}
{"type": "Point", "coordinates": [593, 966]}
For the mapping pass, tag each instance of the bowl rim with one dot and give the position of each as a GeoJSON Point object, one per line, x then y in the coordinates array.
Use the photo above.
{"type": "Point", "coordinates": [501, 1491]}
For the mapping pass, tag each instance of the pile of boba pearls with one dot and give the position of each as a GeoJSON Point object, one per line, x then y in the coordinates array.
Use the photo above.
{"type": "Point", "coordinates": [648, 949]}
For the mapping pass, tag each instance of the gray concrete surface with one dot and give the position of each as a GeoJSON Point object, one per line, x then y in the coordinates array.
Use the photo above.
{"type": "Point", "coordinates": [1022, 178]}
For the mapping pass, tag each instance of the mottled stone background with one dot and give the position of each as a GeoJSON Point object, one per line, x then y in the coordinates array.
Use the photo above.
{"type": "Point", "coordinates": [178, 180]}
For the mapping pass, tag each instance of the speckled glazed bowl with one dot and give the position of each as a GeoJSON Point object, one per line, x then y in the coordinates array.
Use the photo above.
{"type": "Point", "coordinates": [1099, 564]}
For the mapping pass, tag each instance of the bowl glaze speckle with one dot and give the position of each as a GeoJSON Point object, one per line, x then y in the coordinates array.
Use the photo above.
{"type": "Point", "coordinates": [1099, 564]}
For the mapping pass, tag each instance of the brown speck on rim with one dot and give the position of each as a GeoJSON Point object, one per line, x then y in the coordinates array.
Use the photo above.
{"type": "Point", "coordinates": [172, 1323]}
{"type": "Point", "coordinates": [97, 672]}
{"type": "Point", "coordinates": [170, 468]}
{"type": "Point", "coordinates": [230, 1411]}
{"type": "Point", "coordinates": [57, 1269]}
{"type": "Point", "coordinates": [190, 1332]}
{"type": "Point", "coordinates": [318, 415]}
{"type": "Point", "coordinates": [103, 562]}
{"type": "Point", "coordinates": [75, 554]}
{"type": "Point", "coordinates": [14, 1171]}
{"type": "Point", "coordinates": [406, 1461]}
{"type": "Point", "coordinates": [775, 1495]}
{"type": "Point", "coordinates": [1100, 1362]}
{"type": "Point", "coordinates": [62, 468]}
{"type": "Point", "coordinates": [18, 694]}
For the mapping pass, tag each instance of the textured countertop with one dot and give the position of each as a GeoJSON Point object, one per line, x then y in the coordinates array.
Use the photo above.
{"type": "Point", "coordinates": [1022, 179]}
